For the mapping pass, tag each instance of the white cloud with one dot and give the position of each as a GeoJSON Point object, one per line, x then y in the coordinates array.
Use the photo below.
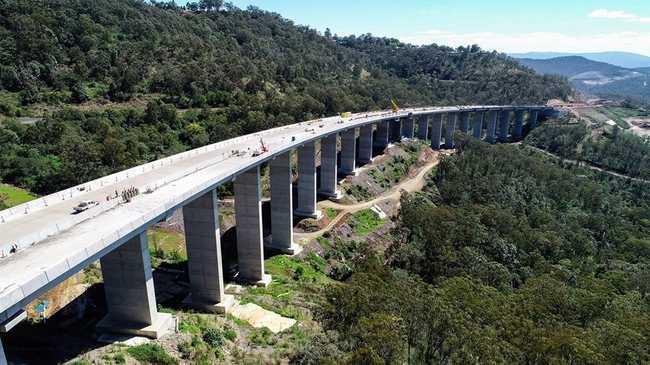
{"type": "Point", "coordinates": [636, 42]}
{"type": "Point", "coordinates": [619, 15]}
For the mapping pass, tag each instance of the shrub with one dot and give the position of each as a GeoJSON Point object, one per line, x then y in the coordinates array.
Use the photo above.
{"type": "Point", "coordinates": [151, 353]}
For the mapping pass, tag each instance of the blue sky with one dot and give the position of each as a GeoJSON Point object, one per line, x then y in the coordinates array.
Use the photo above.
{"type": "Point", "coordinates": [506, 25]}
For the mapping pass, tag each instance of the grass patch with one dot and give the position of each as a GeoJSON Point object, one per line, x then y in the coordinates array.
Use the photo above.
{"type": "Point", "coordinates": [365, 222]}
{"type": "Point", "coordinates": [151, 353]}
{"type": "Point", "coordinates": [11, 196]}
{"type": "Point", "coordinates": [165, 245]}
{"type": "Point", "coordinates": [331, 213]}
{"type": "Point", "coordinates": [294, 281]}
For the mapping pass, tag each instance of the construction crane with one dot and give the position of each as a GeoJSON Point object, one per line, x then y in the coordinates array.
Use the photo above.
{"type": "Point", "coordinates": [394, 106]}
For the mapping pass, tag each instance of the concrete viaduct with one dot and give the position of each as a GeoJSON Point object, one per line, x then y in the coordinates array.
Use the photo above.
{"type": "Point", "coordinates": [42, 243]}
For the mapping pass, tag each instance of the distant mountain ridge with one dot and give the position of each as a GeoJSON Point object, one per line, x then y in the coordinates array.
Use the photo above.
{"type": "Point", "coordinates": [596, 78]}
{"type": "Point", "coordinates": [621, 59]}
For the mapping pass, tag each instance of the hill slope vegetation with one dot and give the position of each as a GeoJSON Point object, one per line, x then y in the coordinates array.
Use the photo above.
{"type": "Point", "coordinates": [112, 76]}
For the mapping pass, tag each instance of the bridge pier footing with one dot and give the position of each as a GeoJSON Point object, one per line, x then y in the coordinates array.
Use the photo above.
{"type": "Point", "coordinates": [450, 129]}
{"type": "Point", "coordinates": [408, 127]}
{"type": "Point", "coordinates": [282, 205]}
{"type": "Point", "coordinates": [519, 124]}
{"type": "Point", "coordinates": [436, 131]}
{"type": "Point", "coordinates": [423, 128]}
{"type": "Point", "coordinates": [477, 128]}
{"type": "Point", "coordinates": [328, 169]}
{"type": "Point", "coordinates": [365, 144]}
{"type": "Point", "coordinates": [248, 216]}
{"type": "Point", "coordinates": [204, 263]}
{"type": "Point", "coordinates": [307, 182]}
{"type": "Point", "coordinates": [349, 152]}
{"type": "Point", "coordinates": [129, 290]}
{"type": "Point", "coordinates": [504, 125]}
{"type": "Point", "coordinates": [491, 127]}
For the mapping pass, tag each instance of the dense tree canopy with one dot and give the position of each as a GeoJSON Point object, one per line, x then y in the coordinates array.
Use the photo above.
{"type": "Point", "coordinates": [613, 149]}
{"type": "Point", "coordinates": [506, 257]}
{"type": "Point", "coordinates": [241, 71]}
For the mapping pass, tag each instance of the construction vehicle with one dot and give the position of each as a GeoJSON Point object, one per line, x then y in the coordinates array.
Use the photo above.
{"type": "Point", "coordinates": [394, 106]}
{"type": "Point", "coordinates": [85, 205]}
{"type": "Point", "coordinates": [346, 115]}
{"type": "Point", "coordinates": [263, 149]}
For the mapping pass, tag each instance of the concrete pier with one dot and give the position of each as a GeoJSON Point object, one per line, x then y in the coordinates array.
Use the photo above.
{"type": "Point", "coordinates": [450, 130]}
{"type": "Point", "coordinates": [307, 182]}
{"type": "Point", "coordinates": [408, 127]}
{"type": "Point", "coordinates": [381, 135]}
{"type": "Point", "coordinates": [365, 144]}
{"type": "Point", "coordinates": [477, 125]}
{"type": "Point", "coordinates": [436, 131]}
{"type": "Point", "coordinates": [464, 122]}
{"type": "Point", "coordinates": [519, 124]}
{"type": "Point", "coordinates": [504, 125]}
{"type": "Point", "coordinates": [3, 358]}
{"type": "Point", "coordinates": [533, 118]}
{"type": "Point", "coordinates": [248, 216]}
{"type": "Point", "coordinates": [349, 152]}
{"type": "Point", "coordinates": [204, 264]}
{"type": "Point", "coordinates": [328, 168]}
{"type": "Point", "coordinates": [282, 205]}
{"type": "Point", "coordinates": [491, 127]}
{"type": "Point", "coordinates": [395, 130]}
{"type": "Point", "coordinates": [129, 290]}
{"type": "Point", "coordinates": [423, 127]}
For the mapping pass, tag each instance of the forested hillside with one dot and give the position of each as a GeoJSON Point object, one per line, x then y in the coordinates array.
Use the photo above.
{"type": "Point", "coordinates": [617, 151]}
{"type": "Point", "coordinates": [506, 257]}
{"type": "Point", "coordinates": [110, 78]}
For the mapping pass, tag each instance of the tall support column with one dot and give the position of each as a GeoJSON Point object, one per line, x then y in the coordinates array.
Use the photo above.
{"type": "Point", "coordinates": [477, 128]}
{"type": "Point", "coordinates": [423, 127]}
{"type": "Point", "coordinates": [492, 126]}
{"type": "Point", "coordinates": [328, 169]}
{"type": "Point", "coordinates": [534, 117]}
{"type": "Point", "coordinates": [129, 290]}
{"type": "Point", "coordinates": [450, 129]}
{"type": "Point", "coordinates": [504, 125]}
{"type": "Point", "coordinates": [3, 358]}
{"type": "Point", "coordinates": [395, 130]}
{"type": "Point", "coordinates": [408, 127]}
{"type": "Point", "coordinates": [381, 137]}
{"type": "Point", "coordinates": [205, 268]}
{"type": "Point", "coordinates": [282, 205]}
{"type": "Point", "coordinates": [307, 182]}
{"type": "Point", "coordinates": [349, 152]}
{"type": "Point", "coordinates": [464, 122]}
{"type": "Point", "coordinates": [248, 215]}
{"type": "Point", "coordinates": [519, 124]}
{"type": "Point", "coordinates": [436, 131]}
{"type": "Point", "coordinates": [365, 144]}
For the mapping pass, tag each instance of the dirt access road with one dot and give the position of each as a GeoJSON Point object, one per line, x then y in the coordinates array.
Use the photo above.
{"type": "Point", "coordinates": [410, 184]}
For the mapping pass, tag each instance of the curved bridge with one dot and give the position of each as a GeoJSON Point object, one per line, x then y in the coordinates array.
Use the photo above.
{"type": "Point", "coordinates": [42, 243]}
